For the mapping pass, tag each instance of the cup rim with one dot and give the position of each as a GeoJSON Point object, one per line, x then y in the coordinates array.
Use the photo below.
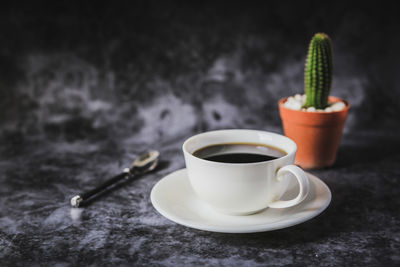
{"type": "Point", "coordinates": [190, 155]}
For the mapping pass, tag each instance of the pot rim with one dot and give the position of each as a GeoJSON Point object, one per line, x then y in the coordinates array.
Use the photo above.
{"type": "Point", "coordinates": [332, 98]}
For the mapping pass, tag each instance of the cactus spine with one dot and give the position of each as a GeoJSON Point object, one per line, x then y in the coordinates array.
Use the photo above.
{"type": "Point", "coordinates": [318, 71]}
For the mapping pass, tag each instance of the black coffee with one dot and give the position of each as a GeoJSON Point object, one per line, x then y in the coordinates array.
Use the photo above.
{"type": "Point", "coordinates": [239, 153]}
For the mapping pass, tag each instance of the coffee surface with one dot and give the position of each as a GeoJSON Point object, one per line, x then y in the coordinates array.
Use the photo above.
{"type": "Point", "coordinates": [239, 153]}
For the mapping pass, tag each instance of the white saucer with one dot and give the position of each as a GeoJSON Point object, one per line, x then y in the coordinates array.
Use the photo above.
{"type": "Point", "coordinates": [174, 198]}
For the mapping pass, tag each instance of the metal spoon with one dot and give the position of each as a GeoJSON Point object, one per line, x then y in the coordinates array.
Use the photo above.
{"type": "Point", "coordinates": [144, 163]}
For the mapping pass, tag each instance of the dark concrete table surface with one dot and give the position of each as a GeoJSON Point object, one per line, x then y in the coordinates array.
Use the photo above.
{"type": "Point", "coordinates": [360, 227]}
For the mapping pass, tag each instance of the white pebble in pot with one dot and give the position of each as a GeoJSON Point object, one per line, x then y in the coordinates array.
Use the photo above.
{"type": "Point", "coordinates": [338, 106]}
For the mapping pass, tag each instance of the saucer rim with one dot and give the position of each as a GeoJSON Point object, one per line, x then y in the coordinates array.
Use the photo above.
{"type": "Point", "coordinates": [242, 229]}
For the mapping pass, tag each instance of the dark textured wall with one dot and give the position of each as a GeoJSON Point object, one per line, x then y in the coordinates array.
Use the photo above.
{"type": "Point", "coordinates": [69, 70]}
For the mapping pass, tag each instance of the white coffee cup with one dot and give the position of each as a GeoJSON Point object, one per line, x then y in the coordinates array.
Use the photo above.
{"type": "Point", "coordinates": [244, 188]}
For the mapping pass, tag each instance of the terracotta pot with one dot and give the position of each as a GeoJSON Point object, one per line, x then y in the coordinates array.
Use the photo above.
{"type": "Point", "coordinates": [317, 134]}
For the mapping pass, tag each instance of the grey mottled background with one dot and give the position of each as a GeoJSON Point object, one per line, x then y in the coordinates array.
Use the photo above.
{"type": "Point", "coordinates": [85, 86]}
{"type": "Point", "coordinates": [69, 70]}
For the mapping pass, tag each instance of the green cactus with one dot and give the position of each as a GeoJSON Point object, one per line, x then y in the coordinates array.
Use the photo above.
{"type": "Point", "coordinates": [318, 71]}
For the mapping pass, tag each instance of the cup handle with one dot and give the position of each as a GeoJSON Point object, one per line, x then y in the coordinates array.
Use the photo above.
{"type": "Point", "coordinates": [304, 187]}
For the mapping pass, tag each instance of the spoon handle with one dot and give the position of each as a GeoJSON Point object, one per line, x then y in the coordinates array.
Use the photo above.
{"type": "Point", "coordinates": [77, 200]}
